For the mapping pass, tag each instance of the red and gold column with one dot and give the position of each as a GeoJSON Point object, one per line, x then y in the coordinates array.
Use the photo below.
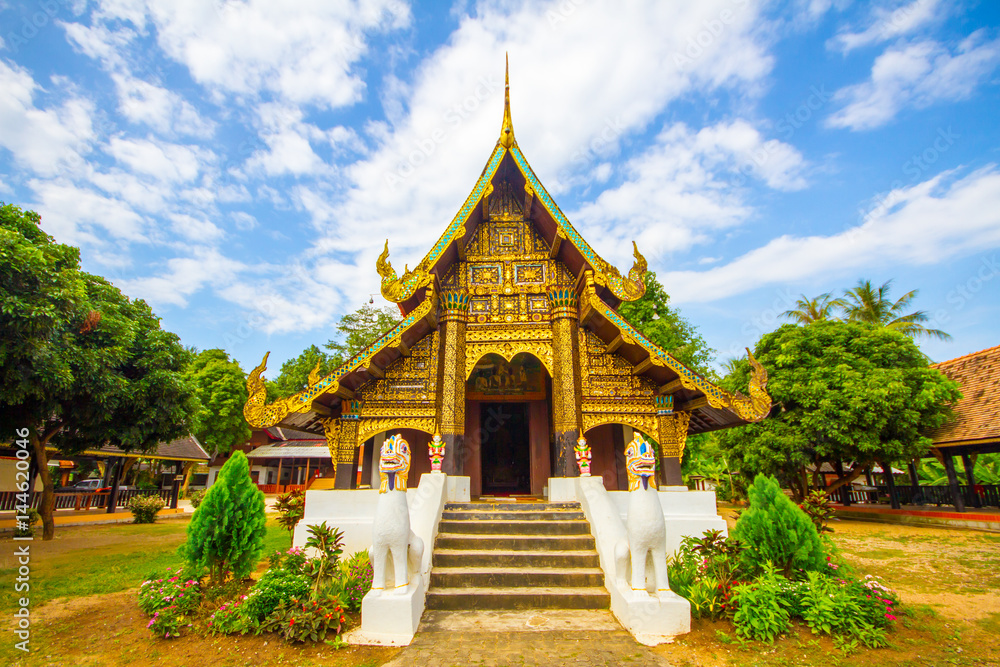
{"type": "Point", "coordinates": [347, 445]}
{"type": "Point", "coordinates": [451, 380]}
{"type": "Point", "coordinates": [673, 429]}
{"type": "Point", "coordinates": [565, 379]}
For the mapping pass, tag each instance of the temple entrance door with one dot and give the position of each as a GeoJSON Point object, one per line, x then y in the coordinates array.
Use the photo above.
{"type": "Point", "coordinates": [505, 443]}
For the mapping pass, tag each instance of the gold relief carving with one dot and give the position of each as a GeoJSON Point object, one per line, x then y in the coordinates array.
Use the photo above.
{"type": "Point", "coordinates": [369, 427]}
{"type": "Point", "coordinates": [752, 409]}
{"type": "Point", "coordinates": [451, 401]}
{"type": "Point", "coordinates": [644, 423]}
{"type": "Point", "coordinates": [499, 334]}
{"type": "Point", "coordinates": [529, 274]}
{"type": "Point", "coordinates": [673, 430]}
{"type": "Point", "coordinates": [609, 376]}
{"type": "Point", "coordinates": [566, 385]}
{"type": "Point", "coordinates": [485, 274]}
{"type": "Point", "coordinates": [409, 382]}
{"type": "Point", "coordinates": [258, 412]}
{"type": "Point", "coordinates": [508, 349]}
{"type": "Point", "coordinates": [331, 428]}
{"type": "Point", "coordinates": [348, 441]}
{"type": "Point", "coordinates": [505, 205]}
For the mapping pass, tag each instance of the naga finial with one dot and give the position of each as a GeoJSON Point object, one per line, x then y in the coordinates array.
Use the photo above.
{"type": "Point", "coordinates": [314, 375]}
{"type": "Point", "coordinates": [507, 131]}
{"type": "Point", "coordinates": [383, 266]}
{"type": "Point", "coordinates": [760, 400]}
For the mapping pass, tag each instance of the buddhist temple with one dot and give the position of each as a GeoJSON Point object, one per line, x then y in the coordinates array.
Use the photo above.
{"type": "Point", "coordinates": [511, 348]}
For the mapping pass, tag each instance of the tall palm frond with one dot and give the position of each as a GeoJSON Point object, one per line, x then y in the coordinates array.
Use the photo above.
{"type": "Point", "coordinates": [816, 309]}
{"type": "Point", "coordinates": [867, 303]}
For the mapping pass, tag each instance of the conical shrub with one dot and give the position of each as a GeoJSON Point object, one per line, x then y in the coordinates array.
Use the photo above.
{"type": "Point", "coordinates": [775, 530]}
{"type": "Point", "coordinates": [226, 534]}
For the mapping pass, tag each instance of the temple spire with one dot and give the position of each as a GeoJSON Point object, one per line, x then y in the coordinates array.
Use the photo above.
{"type": "Point", "coordinates": [507, 131]}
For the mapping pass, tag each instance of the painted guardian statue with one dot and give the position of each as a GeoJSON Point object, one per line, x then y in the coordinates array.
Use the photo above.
{"type": "Point", "coordinates": [391, 534]}
{"type": "Point", "coordinates": [647, 535]}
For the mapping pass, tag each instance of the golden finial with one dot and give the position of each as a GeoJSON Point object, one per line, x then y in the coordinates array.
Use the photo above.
{"type": "Point", "coordinates": [507, 131]}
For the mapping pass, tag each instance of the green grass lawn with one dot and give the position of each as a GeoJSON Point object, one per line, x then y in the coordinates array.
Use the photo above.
{"type": "Point", "coordinates": [116, 557]}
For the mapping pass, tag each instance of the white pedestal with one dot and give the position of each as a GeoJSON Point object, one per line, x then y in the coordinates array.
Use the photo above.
{"type": "Point", "coordinates": [390, 617]}
{"type": "Point", "coordinates": [458, 490]}
{"type": "Point", "coordinates": [655, 619]}
{"type": "Point", "coordinates": [563, 489]}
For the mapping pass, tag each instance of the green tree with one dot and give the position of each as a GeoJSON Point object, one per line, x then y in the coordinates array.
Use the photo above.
{"type": "Point", "coordinates": [816, 309]}
{"type": "Point", "coordinates": [226, 533]}
{"type": "Point", "coordinates": [846, 392]}
{"type": "Point", "coordinates": [81, 365]}
{"type": "Point", "coordinates": [294, 376]}
{"type": "Point", "coordinates": [221, 390]}
{"type": "Point", "coordinates": [775, 530]}
{"type": "Point", "coordinates": [866, 303]}
{"type": "Point", "coordinates": [359, 329]}
{"type": "Point", "coordinates": [663, 325]}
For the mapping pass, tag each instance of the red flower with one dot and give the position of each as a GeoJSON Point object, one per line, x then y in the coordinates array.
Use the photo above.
{"type": "Point", "coordinates": [291, 622]}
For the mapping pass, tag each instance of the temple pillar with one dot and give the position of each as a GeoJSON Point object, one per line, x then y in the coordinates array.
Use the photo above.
{"type": "Point", "coordinates": [451, 380]}
{"type": "Point", "coordinates": [347, 446]}
{"type": "Point", "coordinates": [673, 430]}
{"type": "Point", "coordinates": [566, 392]}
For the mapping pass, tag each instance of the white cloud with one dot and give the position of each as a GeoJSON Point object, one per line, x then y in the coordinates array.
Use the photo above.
{"type": "Point", "coordinates": [911, 231]}
{"type": "Point", "coordinates": [170, 163]}
{"type": "Point", "coordinates": [184, 276]}
{"type": "Point", "coordinates": [424, 164]}
{"type": "Point", "coordinates": [47, 141]}
{"type": "Point", "coordinates": [195, 229]}
{"type": "Point", "coordinates": [244, 221]}
{"type": "Point", "coordinates": [301, 56]}
{"type": "Point", "coordinates": [917, 74]}
{"type": "Point", "coordinates": [163, 110]}
{"type": "Point", "coordinates": [684, 186]}
{"type": "Point", "coordinates": [289, 143]}
{"type": "Point", "coordinates": [885, 24]}
{"type": "Point", "coordinates": [72, 213]}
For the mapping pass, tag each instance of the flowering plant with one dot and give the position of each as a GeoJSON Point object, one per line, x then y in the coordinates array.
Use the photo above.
{"type": "Point", "coordinates": [144, 508]}
{"type": "Point", "coordinates": [176, 589]}
{"type": "Point", "coordinates": [306, 620]}
{"type": "Point", "coordinates": [166, 621]}
{"type": "Point", "coordinates": [355, 580]}
{"type": "Point", "coordinates": [231, 618]}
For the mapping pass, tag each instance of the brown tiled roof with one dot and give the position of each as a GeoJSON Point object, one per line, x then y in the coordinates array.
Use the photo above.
{"type": "Point", "coordinates": [977, 414]}
{"type": "Point", "coordinates": [182, 449]}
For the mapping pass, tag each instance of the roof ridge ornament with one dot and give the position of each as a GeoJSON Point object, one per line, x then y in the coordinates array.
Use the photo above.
{"type": "Point", "coordinates": [507, 131]}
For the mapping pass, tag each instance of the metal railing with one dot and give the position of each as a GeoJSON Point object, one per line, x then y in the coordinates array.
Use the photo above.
{"type": "Point", "coordinates": [81, 500]}
{"type": "Point", "coordinates": [988, 495]}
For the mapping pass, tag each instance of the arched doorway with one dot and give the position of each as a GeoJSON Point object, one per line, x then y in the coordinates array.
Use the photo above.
{"type": "Point", "coordinates": [607, 449]}
{"type": "Point", "coordinates": [507, 435]}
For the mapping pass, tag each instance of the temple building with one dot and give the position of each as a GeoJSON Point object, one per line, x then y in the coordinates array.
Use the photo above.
{"type": "Point", "coordinates": [510, 347]}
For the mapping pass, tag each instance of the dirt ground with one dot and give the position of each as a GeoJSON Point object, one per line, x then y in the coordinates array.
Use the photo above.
{"type": "Point", "coordinates": [949, 581]}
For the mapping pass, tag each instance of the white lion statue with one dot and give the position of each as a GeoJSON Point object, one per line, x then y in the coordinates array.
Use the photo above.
{"type": "Point", "coordinates": [391, 532]}
{"type": "Point", "coordinates": [644, 524]}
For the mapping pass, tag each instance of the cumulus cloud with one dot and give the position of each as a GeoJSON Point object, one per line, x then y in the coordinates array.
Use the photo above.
{"type": "Point", "coordinates": [686, 185]}
{"type": "Point", "coordinates": [184, 276]}
{"type": "Point", "coordinates": [885, 24]}
{"type": "Point", "coordinates": [47, 141]}
{"type": "Point", "coordinates": [910, 231]}
{"type": "Point", "coordinates": [918, 74]}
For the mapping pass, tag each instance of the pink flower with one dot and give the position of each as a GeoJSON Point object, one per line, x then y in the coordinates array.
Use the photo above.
{"type": "Point", "coordinates": [890, 617]}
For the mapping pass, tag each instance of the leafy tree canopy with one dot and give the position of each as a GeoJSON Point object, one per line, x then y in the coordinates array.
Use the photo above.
{"type": "Point", "coordinates": [845, 391]}
{"type": "Point", "coordinates": [220, 387]}
{"type": "Point", "coordinates": [81, 365]}
{"type": "Point", "coordinates": [359, 329]}
{"type": "Point", "coordinates": [663, 325]}
{"type": "Point", "coordinates": [295, 372]}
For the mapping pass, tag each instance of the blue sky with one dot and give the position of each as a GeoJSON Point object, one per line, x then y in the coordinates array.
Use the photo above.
{"type": "Point", "coordinates": [239, 164]}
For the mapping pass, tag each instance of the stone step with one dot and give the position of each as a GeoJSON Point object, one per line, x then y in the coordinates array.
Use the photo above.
{"type": "Point", "coordinates": [473, 542]}
{"type": "Point", "coordinates": [472, 515]}
{"type": "Point", "coordinates": [514, 558]}
{"type": "Point", "coordinates": [489, 527]}
{"type": "Point", "coordinates": [512, 507]}
{"type": "Point", "coordinates": [494, 577]}
{"type": "Point", "coordinates": [518, 598]}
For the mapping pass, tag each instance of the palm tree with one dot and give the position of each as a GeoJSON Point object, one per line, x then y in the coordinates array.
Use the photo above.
{"type": "Point", "coordinates": [865, 303]}
{"type": "Point", "coordinates": [816, 309]}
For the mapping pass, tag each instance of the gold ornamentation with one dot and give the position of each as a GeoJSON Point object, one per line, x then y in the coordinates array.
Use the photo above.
{"type": "Point", "coordinates": [566, 389]}
{"type": "Point", "coordinates": [626, 289]}
{"type": "Point", "coordinates": [646, 423]}
{"type": "Point", "coordinates": [314, 375]}
{"type": "Point", "coordinates": [397, 289]}
{"type": "Point", "coordinates": [260, 414]}
{"type": "Point", "coordinates": [607, 377]}
{"type": "Point", "coordinates": [331, 428]}
{"type": "Point", "coordinates": [508, 349]}
{"type": "Point", "coordinates": [673, 433]}
{"type": "Point", "coordinates": [749, 409]}
{"type": "Point", "coordinates": [369, 427]}
{"type": "Point", "coordinates": [507, 130]}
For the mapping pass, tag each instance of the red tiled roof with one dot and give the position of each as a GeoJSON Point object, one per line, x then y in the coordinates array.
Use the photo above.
{"type": "Point", "coordinates": [977, 414]}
